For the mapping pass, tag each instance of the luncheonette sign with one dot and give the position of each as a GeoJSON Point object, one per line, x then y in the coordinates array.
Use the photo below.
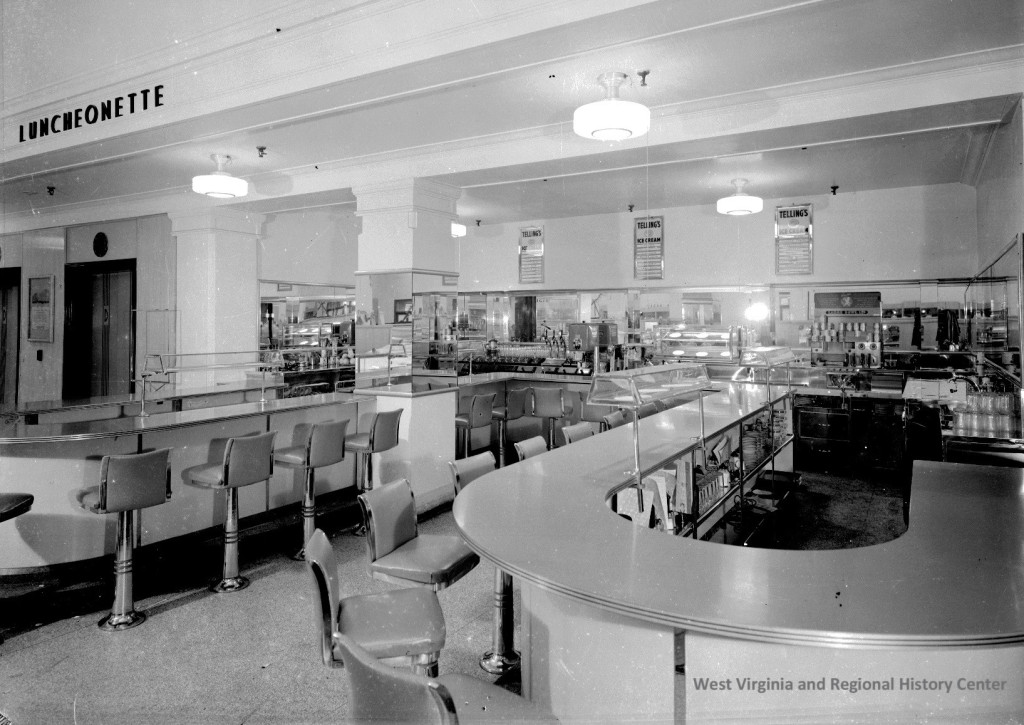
{"type": "Point", "coordinates": [105, 110]}
{"type": "Point", "coordinates": [531, 255]}
{"type": "Point", "coordinates": [794, 239]}
{"type": "Point", "coordinates": [649, 247]}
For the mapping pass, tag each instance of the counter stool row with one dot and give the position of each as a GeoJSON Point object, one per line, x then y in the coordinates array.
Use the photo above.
{"type": "Point", "coordinates": [131, 482]}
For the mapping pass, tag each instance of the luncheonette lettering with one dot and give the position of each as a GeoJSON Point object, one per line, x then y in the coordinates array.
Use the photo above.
{"type": "Point", "coordinates": [92, 113]}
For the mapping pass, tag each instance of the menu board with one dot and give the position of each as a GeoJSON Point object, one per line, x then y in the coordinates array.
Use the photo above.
{"type": "Point", "coordinates": [531, 255]}
{"type": "Point", "coordinates": [649, 247]}
{"type": "Point", "coordinates": [794, 239]}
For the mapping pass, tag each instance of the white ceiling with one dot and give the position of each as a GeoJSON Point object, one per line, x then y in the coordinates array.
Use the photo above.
{"type": "Point", "coordinates": [730, 84]}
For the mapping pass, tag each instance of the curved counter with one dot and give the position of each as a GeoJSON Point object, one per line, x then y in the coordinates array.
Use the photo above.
{"type": "Point", "coordinates": [54, 462]}
{"type": "Point", "coordinates": [952, 582]}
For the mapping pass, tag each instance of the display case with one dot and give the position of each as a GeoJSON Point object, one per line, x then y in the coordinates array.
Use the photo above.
{"type": "Point", "coordinates": [704, 344]}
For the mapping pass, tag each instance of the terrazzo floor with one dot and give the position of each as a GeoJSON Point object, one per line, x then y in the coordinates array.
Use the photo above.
{"type": "Point", "coordinates": [252, 657]}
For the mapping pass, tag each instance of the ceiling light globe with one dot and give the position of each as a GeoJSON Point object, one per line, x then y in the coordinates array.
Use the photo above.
{"type": "Point", "coordinates": [611, 119]}
{"type": "Point", "coordinates": [220, 185]}
{"type": "Point", "coordinates": [740, 204]}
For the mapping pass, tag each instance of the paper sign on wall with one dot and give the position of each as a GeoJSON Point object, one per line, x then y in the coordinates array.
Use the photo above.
{"type": "Point", "coordinates": [649, 247]}
{"type": "Point", "coordinates": [531, 255]}
{"type": "Point", "coordinates": [794, 239]}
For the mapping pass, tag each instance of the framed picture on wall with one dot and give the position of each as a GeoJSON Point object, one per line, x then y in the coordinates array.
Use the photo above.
{"type": "Point", "coordinates": [403, 312]}
{"type": "Point", "coordinates": [40, 309]}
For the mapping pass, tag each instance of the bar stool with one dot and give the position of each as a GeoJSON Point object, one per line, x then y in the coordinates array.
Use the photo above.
{"type": "Point", "coordinates": [501, 658]}
{"type": "Point", "coordinates": [613, 420]}
{"type": "Point", "coordinates": [383, 436]}
{"type": "Point", "coordinates": [514, 409]}
{"type": "Point", "coordinates": [577, 432]}
{"type": "Point", "coordinates": [128, 483]}
{"type": "Point", "coordinates": [479, 415]}
{"type": "Point", "coordinates": [324, 446]}
{"type": "Point", "coordinates": [549, 403]}
{"type": "Point", "coordinates": [530, 447]}
{"type": "Point", "coordinates": [247, 460]}
{"type": "Point", "coordinates": [644, 411]}
{"type": "Point", "coordinates": [593, 413]}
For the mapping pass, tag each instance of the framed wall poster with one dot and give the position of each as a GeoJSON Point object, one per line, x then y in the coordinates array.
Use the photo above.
{"type": "Point", "coordinates": [531, 255]}
{"type": "Point", "coordinates": [794, 239]}
{"type": "Point", "coordinates": [40, 309]}
{"type": "Point", "coordinates": [403, 311]}
{"type": "Point", "coordinates": [649, 247]}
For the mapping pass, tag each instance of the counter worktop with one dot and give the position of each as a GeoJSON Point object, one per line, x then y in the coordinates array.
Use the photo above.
{"type": "Point", "coordinates": [18, 432]}
{"type": "Point", "coordinates": [953, 579]}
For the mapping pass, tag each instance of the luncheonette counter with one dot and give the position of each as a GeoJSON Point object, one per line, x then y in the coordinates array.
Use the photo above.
{"type": "Point", "coordinates": [55, 461]}
{"type": "Point", "coordinates": [929, 625]}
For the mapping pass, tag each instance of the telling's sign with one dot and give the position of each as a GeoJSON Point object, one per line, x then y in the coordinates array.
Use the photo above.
{"type": "Point", "coordinates": [649, 247]}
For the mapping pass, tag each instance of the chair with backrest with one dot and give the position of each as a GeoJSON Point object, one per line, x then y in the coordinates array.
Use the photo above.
{"type": "Point", "coordinates": [128, 483]}
{"type": "Point", "coordinates": [381, 693]}
{"type": "Point", "coordinates": [399, 627]}
{"type": "Point", "coordinates": [466, 470]}
{"type": "Point", "coordinates": [501, 658]}
{"type": "Point", "coordinates": [613, 420]}
{"type": "Point", "coordinates": [549, 404]}
{"type": "Point", "coordinates": [382, 436]}
{"type": "Point", "coordinates": [513, 409]}
{"type": "Point", "coordinates": [577, 431]}
{"type": "Point", "coordinates": [324, 446]}
{"type": "Point", "coordinates": [530, 447]}
{"type": "Point", "coordinates": [478, 415]}
{"type": "Point", "coordinates": [644, 411]}
{"type": "Point", "coordinates": [247, 460]}
{"type": "Point", "coordinates": [593, 413]}
{"type": "Point", "coordinates": [396, 551]}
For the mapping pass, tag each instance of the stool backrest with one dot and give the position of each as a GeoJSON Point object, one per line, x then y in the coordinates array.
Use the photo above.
{"type": "Point", "coordinates": [249, 459]}
{"type": "Point", "coordinates": [469, 469]}
{"type": "Point", "coordinates": [324, 569]}
{"type": "Point", "coordinates": [644, 411]}
{"type": "Point", "coordinates": [480, 410]}
{"type": "Point", "coordinates": [593, 413]}
{"type": "Point", "coordinates": [531, 447]}
{"type": "Point", "coordinates": [548, 403]}
{"type": "Point", "coordinates": [384, 431]}
{"type": "Point", "coordinates": [379, 692]}
{"type": "Point", "coordinates": [614, 419]}
{"type": "Point", "coordinates": [662, 405]}
{"type": "Point", "coordinates": [389, 515]}
{"type": "Point", "coordinates": [577, 432]}
{"type": "Point", "coordinates": [516, 403]}
{"type": "Point", "coordinates": [326, 443]}
{"type": "Point", "coordinates": [135, 481]}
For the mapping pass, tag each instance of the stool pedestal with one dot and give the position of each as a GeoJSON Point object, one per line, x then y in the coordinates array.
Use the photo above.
{"type": "Point", "coordinates": [308, 511]}
{"type": "Point", "coordinates": [501, 658]}
{"type": "Point", "coordinates": [123, 614]}
{"type": "Point", "coordinates": [231, 580]}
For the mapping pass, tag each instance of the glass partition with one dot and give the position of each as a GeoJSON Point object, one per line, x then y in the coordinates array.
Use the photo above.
{"type": "Point", "coordinates": [294, 314]}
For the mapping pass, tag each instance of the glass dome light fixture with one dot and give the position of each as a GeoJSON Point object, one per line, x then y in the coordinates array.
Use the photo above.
{"type": "Point", "coordinates": [740, 202]}
{"type": "Point", "coordinates": [611, 118]}
{"type": "Point", "coordinates": [220, 184]}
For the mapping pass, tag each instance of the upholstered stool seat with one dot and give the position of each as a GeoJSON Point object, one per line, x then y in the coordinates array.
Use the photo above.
{"type": "Point", "coordinates": [403, 626]}
{"type": "Point", "coordinates": [382, 436]}
{"type": "Point", "coordinates": [324, 446]}
{"type": "Point", "coordinates": [247, 460]}
{"type": "Point", "coordinates": [128, 483]}
{"type": "Point", "coordinates": [14, 504]}
{"type": "Point", "coordinates": [549, 404]}
{"type": "Point", "coordinates": [479, 413]}
{"type": "Point", "coordinates": [398, 553]}
{"type": "Point", "coordinates": [577, 431]}
{"type": "Point", "coordinates": [514, 409]}
{"type": "Point", "coordinates": [612, 420]}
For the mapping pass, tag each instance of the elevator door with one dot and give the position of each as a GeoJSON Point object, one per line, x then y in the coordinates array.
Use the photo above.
{"type": "Point", "coordinates": [10, 305]}
{"type": "Point", "coordinates": [99, 347]}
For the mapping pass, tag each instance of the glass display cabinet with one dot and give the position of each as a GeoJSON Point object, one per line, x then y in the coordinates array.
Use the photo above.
{"type": "Point", "coordinates": [637, 387]}
{"type": "Point", "coordinates": [702, 344]}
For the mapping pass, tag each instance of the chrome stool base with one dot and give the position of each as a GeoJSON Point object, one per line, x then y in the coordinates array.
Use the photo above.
{"type": "Point", "coordinates": [232, 584]}
{"type": "Point", "coordinates": [498, 664]}
{"type": "Point", "coordinates": [118, 622]}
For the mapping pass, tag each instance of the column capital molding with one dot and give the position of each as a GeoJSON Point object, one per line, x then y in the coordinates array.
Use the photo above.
{"type": "Point", "coordinates": [404, 195]}
{"type": "Point", "coordinates": [216, 219]}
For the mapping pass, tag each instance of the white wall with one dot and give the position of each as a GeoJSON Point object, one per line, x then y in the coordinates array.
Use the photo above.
{"type": "Point", "coordinates": [316, 246]}
{"type": "Point", "coordinates": [1001, 191]}
{"type": "Point", "coordinates": [909, 233]}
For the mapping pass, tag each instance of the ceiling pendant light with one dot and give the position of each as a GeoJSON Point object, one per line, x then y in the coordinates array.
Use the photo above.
{"type": "Point", "coordinates": [740, 202]}
{"type": "Point", "coordinates": [220, 184]}
{"type": "Point", "coordinates": [611, 119]}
